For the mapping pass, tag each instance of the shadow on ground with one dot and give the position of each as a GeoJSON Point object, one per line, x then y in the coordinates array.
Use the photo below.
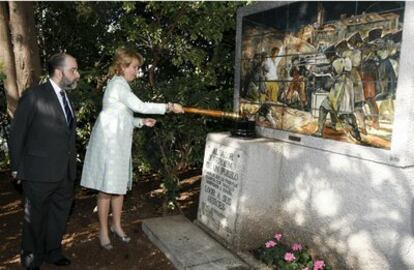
{"type": "Point", "coordinates": [81, 242]}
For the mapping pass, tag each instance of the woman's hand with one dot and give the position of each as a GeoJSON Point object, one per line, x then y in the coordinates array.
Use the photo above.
{"type": "Point", "coordinates": [149, 122]}
{"type": "Point", "coordinates": [177, 108]}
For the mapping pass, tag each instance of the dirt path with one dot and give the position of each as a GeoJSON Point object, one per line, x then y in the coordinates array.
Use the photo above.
{"type": "Point", "coordinates": [80, 240]}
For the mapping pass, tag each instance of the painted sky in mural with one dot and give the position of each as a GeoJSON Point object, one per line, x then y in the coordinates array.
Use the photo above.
{"type": "Point", "coordinates": [323, 69]}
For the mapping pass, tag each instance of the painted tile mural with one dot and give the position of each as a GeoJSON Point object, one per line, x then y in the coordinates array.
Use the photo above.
{"type": "Point", "coordinates": [326, 69]}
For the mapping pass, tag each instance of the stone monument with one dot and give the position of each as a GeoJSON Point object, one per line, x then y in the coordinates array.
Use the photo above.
{"type": "Point", "coordinates": [340, 181]}
{"type": "Point", "coordinates": [236, 173]}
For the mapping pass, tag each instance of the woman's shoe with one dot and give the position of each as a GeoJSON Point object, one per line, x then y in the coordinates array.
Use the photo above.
{"type": "Point", "coordinates": [123, 238]}
{"type": "Point", "coordinates": [107, 246]}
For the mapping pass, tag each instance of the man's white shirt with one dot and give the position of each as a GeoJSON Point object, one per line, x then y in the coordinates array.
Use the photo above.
{"type": "Point", "coordinates": [59, 96]}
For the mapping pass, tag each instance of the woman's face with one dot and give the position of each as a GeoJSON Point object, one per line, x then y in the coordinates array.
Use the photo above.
{"type": "Point", "coordinates": [130, 72]}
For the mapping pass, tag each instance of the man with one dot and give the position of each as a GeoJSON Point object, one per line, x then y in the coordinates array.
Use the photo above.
{"type": "Point", "coordinates": [43, 158]}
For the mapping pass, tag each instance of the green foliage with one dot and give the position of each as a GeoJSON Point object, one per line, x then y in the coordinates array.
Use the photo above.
{"type": "Point", "coordinates": [80, 28]}
{"type": "Point", "coordinates": [189, 56]}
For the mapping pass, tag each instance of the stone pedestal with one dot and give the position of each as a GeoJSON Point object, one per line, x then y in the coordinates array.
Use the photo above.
{"type": "Point", "coordinates": [352, 212]}
{"type": "Point", "coordinates": [238, 189]}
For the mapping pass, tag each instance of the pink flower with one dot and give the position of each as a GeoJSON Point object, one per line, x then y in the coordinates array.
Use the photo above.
{"type": "Point", "coordinates": [306, 268]}
{"type": "Point", "coordinates": [296, 247]}
{"type": "Point", "coordinates": [278, 236]}
{"type": "Point", "coordinates": [289, 257]}
{"type": "Point", "coordinates": [270, 244]}
{"type": "Point", "coordinates": [317, 265]}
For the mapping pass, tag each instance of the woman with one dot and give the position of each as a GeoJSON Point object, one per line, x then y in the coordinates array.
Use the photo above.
{"type": "Point", "coordinates": [107, 166]}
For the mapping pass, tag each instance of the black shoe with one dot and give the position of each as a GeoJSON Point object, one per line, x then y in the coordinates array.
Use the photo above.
{"type": "Point", "coordinates": [27, 261]}
{"type": "Point", "coordinates": [124, 238]}
{"type": "Point", "coordinates": [62, 262]}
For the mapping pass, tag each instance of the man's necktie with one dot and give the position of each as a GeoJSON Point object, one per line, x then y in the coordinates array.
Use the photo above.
{"type": "Point", "coordinates": [69, 117]}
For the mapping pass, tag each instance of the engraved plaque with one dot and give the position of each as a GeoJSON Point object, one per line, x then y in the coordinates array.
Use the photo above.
{"type": "Point", "coordinates": [220, 188]}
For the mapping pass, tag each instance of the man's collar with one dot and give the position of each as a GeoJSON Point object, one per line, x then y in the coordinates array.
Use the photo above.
{"type": "Point", "coordinates": [55, 85]}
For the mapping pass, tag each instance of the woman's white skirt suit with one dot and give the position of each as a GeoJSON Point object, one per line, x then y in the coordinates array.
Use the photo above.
{"type": "Point", "coordinates": [107, 166]}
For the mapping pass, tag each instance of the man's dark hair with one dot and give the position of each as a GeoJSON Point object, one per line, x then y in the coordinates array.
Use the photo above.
{"type": "Point", "coordinates": [54, 62]}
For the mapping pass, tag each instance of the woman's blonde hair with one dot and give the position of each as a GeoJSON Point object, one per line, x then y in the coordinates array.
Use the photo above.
{"type": "Point", "coordinates": [122, 59]}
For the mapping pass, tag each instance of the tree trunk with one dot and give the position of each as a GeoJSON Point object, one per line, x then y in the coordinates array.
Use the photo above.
{"type": "Point", "coordinates": [24, 40]}
{"type": "Point", "coordinates": [7, 60]}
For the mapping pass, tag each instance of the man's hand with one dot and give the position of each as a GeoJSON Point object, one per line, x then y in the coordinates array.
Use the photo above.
{"type": "Point", "coordinates": [14, 177]}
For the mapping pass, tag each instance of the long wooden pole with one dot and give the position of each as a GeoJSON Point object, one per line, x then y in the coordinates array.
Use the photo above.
{"type": "Point", "coordinates": [212, 113]}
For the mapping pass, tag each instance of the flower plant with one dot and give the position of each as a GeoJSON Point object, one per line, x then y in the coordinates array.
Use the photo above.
{"type": "Point", "coordinates": [280, 256]}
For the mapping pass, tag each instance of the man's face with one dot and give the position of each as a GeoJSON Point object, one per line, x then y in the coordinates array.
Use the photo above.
{"type": "Point", "coordinates": [70, 74]}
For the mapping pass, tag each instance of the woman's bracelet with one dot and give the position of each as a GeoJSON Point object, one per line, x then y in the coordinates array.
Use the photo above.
{"type": "Point", "coordinates": [169, 107]}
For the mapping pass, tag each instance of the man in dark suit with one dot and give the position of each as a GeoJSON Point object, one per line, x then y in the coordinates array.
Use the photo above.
{"type": "Point", "coordinates": [43, 158]}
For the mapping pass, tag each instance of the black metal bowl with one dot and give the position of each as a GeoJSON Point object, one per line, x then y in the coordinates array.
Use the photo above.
{"type": "Point", "coordinates": [243, 128]}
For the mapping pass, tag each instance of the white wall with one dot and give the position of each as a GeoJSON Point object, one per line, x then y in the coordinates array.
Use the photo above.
{"type": "Point", "coordinates": [360, 209]}
{"type": "Point", "coordinates": [355, 213]}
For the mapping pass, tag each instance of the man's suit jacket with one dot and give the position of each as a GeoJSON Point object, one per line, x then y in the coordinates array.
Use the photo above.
{"type": "Point", "coordinates": [42, 146]}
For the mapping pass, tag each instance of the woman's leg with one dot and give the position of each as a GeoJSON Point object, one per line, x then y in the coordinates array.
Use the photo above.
{"type": "Point", "coordinates": [116, 204]}
{"type": "Point", "coordinates": [104, 200]}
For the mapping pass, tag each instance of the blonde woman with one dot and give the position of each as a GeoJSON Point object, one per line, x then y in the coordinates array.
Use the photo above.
{"type": "Point", "coordinates": [107, 166]}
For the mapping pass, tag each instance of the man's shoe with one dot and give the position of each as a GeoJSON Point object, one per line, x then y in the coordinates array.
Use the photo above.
{"type": "Point", "coordinates": [62, 262]}
{"type": "Point", "coordinates": [27, 262]}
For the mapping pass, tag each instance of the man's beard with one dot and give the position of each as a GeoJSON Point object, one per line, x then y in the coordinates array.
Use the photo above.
{"type": "Point", "coordinates": [68, 84]}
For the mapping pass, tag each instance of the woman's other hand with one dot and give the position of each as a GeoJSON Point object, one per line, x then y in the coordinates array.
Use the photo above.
{"type": "Point", "coordinates": [149, 122]}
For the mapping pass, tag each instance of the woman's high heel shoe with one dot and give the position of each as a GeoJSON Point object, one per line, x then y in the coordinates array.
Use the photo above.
{"type": "Point", "coordinates": [107, 246]}
{"type": "Point", "coordinates": [123, 238]}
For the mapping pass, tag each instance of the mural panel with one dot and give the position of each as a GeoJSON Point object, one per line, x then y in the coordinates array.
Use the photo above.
{"type": "Point", "coordinates": [326, 69]}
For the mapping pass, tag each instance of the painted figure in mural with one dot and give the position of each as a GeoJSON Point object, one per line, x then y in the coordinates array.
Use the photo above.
{"type": "Point", "coordinates": [340, 100]}
{"type": "Point", "coordinates": [317, 82]}
{"type": "Point", "coordinates": [295, 95]}
{"type": "Point", "coordinates": [369, 74]}
{"type": "Point", "coordinates": [380, 72]}
{"type": "Point", "coordinates": [251, 84]}
{"type": "Point", "coordinates": [387, 53]}
{"type": "Point", "coordinates": [247, 69]}
{"type": "Point", "coordinates": [354, 54]}
{"type": "Point", "coordinates": [387, 74]}
{"type": "Point", "coordinates": [301, 61]}
{"type": "Point", "coordinates": [270, 69]}
{"type": "Point", "coordinates": [254, 80]}
{"type": "Point", "coordinates": [355, 76]}
{"type": "Point", "coordinates": [319, 70]}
